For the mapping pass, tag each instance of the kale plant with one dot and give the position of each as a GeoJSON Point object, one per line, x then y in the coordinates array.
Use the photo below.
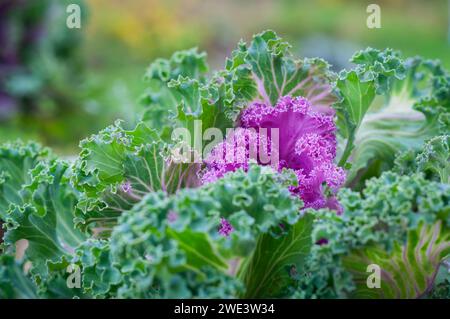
{"type": "Point", "coordinates": [309, 178]}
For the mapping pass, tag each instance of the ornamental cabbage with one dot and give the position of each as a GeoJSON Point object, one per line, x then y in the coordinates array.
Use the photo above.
{"type": "Point", "coordinates": [315, 180]}
{"type": "Point", "coordinates": [305, 143]}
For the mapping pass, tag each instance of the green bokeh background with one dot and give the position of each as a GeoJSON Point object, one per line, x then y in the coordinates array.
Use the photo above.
{"type": "Point", "coordinates": [118, 39]}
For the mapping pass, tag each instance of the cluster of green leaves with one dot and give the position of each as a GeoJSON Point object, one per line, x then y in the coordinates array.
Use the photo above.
{"type": "Point", "coordinates": [433, 159]}
{"type": "Point", "coordinates": [399, 222]}
{"type": "Point", "coordinates": [38, 206]}
{"type": "Point", "coordinates": [266, 70]}
{"type": "Point", "coordinates": [358, 88]}
{"type": "Point", "coordinates": [180, 90]}
{"type": "Point", "coordinates": [416, 94]}
{"type": "Point", "coordinates": [117, 167]}
{"type": "Point", "coordinates": [163, 240]}
{"type": "Point", "coordinates": [137, 223]}
{"type": "Point", "coordinates": [416, 107]}
{"type": "Point", "coordinates": [180, 93]}
{"type": "Point", "coordinates": [165, 246]}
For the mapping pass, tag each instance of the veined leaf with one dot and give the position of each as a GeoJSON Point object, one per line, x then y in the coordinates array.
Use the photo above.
{"type": "Point", "coordinates": [179, 94]}
{"type": "Point", "coordinates": [159, 99]}
{"type": "Point", "coordinates": [383, 213]}
{"type": "Point", "coordinates": [265, 71]}
{"type": "Point", "coordinates": [275, 261]}
{"type": "Point", "coordinates": [204, 104]}
{"type": "Point", "coordinates": [198, 249]}
{"type": "Point", "coordinates": [117, 168]}
{"type": "Point", "coordinates": [416, 109]}
{"type": "Point", "coordinates": [46, 222]}
{"type": "Point", "coordinates": [16, 160]}
{"type": "Point", "coordinates": [357, 89]}
{"type": "Point", "coordinates": [409, 271]}
{"type": "Point", "coordinates": [164, 237]}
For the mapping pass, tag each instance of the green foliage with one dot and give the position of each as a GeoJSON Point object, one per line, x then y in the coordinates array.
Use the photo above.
{"type": "Point", "coordinates": [45, 90]}
{"type": "Point", "coordinates": [135, 220]}
{"type": "Point", "coordinates": [274, 263]}
{"type": "Point", "coordinates": [116, 168]}
{"type": "Point", "coordinates": [46, 220]}
{"type": "Point", "coordinates": [100, 277]}
{"type": "Point", "coordinates": [16, 159]}
{"type": "Point", "coordinates": [435, 157]}
{"type": "Point", "coordinates": [389, 208]}
{"type": "Point", "coordinates": [441, 288]}
{"type": "Point", "coordinates": [416, 108]}
{"type": "Point", "coordinates": [159, 99]}
{"type": "Point", "coordinates": [166, 245]}
{"type": "Point", "coordinates": [14, 284]}
{"type": "Point", "coordinates": [165, 237]}
{"type": "Point", "coordinates": [179, 93]}
{"type": "Point", "coordinates": [265, 70]}
{"type": "Point", "coordinates": [357, 89]}
{"type": "Point", "coordinates": [432, 160]}
{"type": "Point", "coordinates": [409, 270]}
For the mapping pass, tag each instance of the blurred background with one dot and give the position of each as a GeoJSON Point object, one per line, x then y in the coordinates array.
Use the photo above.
{"type": "Point", "coordinates": [59, 85]}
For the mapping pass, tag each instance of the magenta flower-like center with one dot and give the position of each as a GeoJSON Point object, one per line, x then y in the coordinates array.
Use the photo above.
{"type": "Point", "coordinates": [305, 142]}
